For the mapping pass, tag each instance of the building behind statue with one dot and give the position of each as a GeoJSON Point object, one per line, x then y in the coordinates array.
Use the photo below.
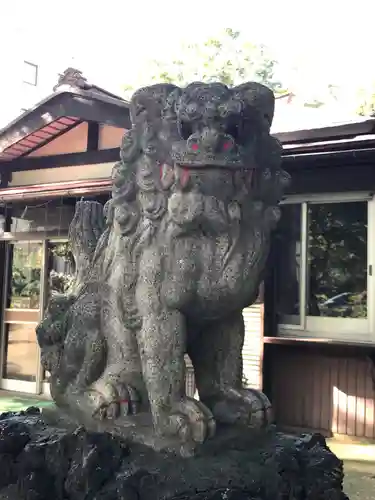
{"type": "Point", "coordinates": [310, 336]}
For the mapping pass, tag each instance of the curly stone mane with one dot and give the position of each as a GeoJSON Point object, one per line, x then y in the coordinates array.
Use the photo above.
{"type": "Point", "coordinates": [140, 182]}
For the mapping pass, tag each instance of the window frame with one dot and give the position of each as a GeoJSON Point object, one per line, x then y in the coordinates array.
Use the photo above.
{"type": "Point", "coordinates": [326, 328]}
{"type": "Point", "coordinates": [36, 74]}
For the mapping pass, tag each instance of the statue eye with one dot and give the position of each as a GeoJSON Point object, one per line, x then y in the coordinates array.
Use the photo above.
{"type": "Point", "coordinates": [139, 109]}
{"type": "Point", "coordinates": [234, 128]}
{"type": "Point", "coordinates": [192, 108]}
{"type": "Point", "coordinates": [185, 130]}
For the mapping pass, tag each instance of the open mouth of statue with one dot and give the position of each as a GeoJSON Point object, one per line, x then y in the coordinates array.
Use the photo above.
{"type": "Point", "coordinates": [210, 150]}
{"type": "Point", "coordinates": [210, 162]}
{"type": "Point", "coordinates": [199, 158]}
{"type": "Point", "coordinates": [213, 176]}
{"type": "Point", "coordinates": [195, 153]}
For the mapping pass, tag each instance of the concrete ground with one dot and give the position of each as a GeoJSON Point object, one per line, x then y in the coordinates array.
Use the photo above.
{"type": "Point", "coordinates": [359, 480]}
{"type": "Point", "coordinates": [359, 468]}
{"type": "Point", "coordinates": [19, 401]}
{"type": "Point", "coordinates": [359, 459]}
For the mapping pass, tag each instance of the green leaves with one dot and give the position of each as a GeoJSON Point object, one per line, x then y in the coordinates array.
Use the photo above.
{"type": "Point", "coordinates": [366, 99]}
{"type": "Point", "coordinates": [228, 58]}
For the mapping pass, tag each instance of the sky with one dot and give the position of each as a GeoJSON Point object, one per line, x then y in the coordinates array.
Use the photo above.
{"type": "Point", "coordinates": [315, 42]}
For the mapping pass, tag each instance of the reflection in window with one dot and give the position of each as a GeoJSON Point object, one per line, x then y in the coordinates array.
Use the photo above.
{"type": "Point", "coordinates": [45, 217]}
{"type": "Point", "coordinates": [337, 260]}
{"type": "Point", "coordinates": [60, 272]}
{"type": "Point", "coordinates": [21, 352]}
{"type": "Point", "coordinates": [25, 275]}
{"type": "Point", "coordinates": [60, 267]}
{"type": "Point", "coordinates": [287, 266]}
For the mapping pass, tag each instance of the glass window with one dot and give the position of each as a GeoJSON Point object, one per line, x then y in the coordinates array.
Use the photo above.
{"type": "Point", "coordinates": [25, 275]}
{"type": "Point", "coordinates": [60, 267]}
{"type": "Point", "coordinates": [321, 264]}
{"type": "Point", "coordinates": [30, 73]}
{"type": "Point", "coordinates": [60, 272]}
{"type": "Point", "coordinates": [337, 260]}
{"type": "Point", "coordinates": [288, 265]}
{"type": "Point", "coordinates": [46, 217]}
{"type": "Point", "coordinates": [21, 352]}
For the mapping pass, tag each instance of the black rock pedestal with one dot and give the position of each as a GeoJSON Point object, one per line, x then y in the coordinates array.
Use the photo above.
{"type": "Point", "coordinates": [42, 462]}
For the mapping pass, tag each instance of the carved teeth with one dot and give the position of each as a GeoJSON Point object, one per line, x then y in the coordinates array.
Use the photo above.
{"type": "Point", "coordinates": [167, 175]}
{"type": "Point", "coordinates": [183, 175]}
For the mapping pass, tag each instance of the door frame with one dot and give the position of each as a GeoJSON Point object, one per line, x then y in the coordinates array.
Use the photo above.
{"type": "Point", "coordinates": [40, 386]}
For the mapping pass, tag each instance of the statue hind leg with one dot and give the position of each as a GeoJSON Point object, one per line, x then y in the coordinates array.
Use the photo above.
{"type": "Point", "coordinates": [105, 377]}
{"type": "Point", "coordinates": [87, 378]}
{"type": "Point", "coordinates": [216, 355]}
{"type": "Point", "coordinates": [92, 373]}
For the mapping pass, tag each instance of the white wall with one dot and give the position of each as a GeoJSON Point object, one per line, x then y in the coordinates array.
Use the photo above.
{"type": "Point", "coordinates": [16, 95]}
{"type": "Point", "coordinates": [296, 116]}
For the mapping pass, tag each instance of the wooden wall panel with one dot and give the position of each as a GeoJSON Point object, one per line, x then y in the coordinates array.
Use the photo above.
{"type": "Point", "coordinates": [252, 352]}
{"type": "Point", "coordinates": [325, 391]}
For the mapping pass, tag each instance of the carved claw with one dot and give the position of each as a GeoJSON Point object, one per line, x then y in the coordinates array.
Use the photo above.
{"type": "Point", "coordinates": [116, 400]}
{"type": "Point", "coordinates": [129, 400]}
{"type": "Point", "coordinates": [243, 406]}
{"type": "Point", "coordinates": [191, 421]}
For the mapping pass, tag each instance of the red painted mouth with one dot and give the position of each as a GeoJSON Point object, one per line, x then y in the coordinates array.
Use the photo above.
{"type": "Point", "coordinates": [168, 174]}
{"type": "Point", "coordinates": [184, 177]}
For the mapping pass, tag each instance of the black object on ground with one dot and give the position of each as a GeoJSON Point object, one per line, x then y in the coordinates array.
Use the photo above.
{"type": "Point", "coordinates": [42, 462]}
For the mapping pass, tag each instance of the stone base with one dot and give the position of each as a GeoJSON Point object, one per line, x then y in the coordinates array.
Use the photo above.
{"type": "Point", "coordinates": [136, 429]}
{"type": "Point", "coordinates": [40, 461]}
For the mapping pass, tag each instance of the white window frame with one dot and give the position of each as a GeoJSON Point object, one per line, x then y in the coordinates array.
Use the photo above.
{"type": "Point", "coordinates": [343, 329]}
{"type": "Point", "coordinates": [34, 66]}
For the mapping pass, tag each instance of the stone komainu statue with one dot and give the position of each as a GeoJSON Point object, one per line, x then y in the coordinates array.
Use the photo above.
{"type": "Point", "coordinates": [167, 267]}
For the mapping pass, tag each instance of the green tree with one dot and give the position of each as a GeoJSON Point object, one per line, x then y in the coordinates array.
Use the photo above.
{"type": "Point", "coordinates": [229, 58]}
{"type": "Point", "coordinates": [366, 98]}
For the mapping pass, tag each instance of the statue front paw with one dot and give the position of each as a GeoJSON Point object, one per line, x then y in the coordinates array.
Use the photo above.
{"type": "Point", "coordinates": [113, 400]}
{"type": "Point", "coordinates": [248, 407]}
{"type": "Point", "coordinates": [190, 421]}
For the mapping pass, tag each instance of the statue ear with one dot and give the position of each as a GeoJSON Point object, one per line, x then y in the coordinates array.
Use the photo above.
{"type": "Point", "coordinates": [150, 100]}
{"type": "Point", "coordinates": [259, 97]}
{"type": "Point", "coordinates": [171, 103]}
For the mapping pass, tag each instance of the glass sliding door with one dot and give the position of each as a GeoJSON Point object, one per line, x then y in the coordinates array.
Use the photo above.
{"type": "Point", "coordinates": [22, 305]}
{"type": "Point", "coordinates": [34, 271]}
{"type": "Point", "coordinates": [37, 262]}
{"type": "Point", "coordinates": [59, 274]}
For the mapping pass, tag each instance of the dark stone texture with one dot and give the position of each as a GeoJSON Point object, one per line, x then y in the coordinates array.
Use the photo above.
{"type": "Point", "coordinates": [167, 267]}
{"type": "Point", "coordinates": [41, 462]}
